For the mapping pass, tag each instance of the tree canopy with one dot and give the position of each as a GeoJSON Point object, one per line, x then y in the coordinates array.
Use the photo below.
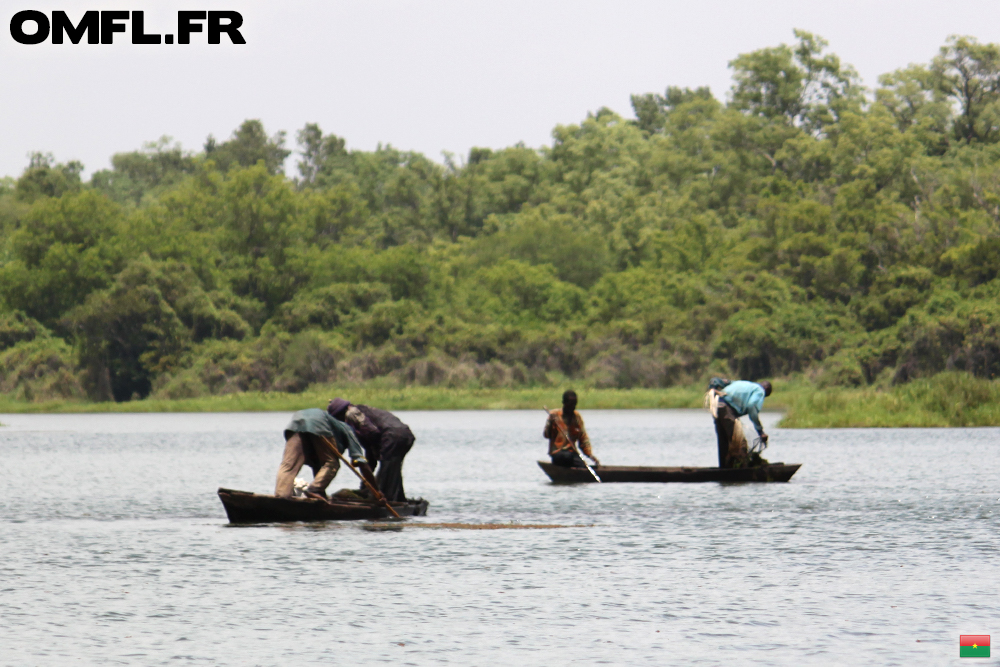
{"type": "Point", "coordinates": [803, 225]}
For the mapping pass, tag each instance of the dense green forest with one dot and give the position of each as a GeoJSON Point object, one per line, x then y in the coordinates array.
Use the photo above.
{"type": "Point", "coordinates": [806, 227]}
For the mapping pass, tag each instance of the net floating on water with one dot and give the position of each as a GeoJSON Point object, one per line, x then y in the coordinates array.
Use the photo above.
{"type": "Point", "coordinates": [472, 526]}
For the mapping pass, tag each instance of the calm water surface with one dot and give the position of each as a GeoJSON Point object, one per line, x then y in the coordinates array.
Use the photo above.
{"type": "Point", "coordinates": [883, 549]}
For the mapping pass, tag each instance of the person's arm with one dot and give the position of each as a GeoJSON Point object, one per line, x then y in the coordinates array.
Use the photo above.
{"type": "Point", "coordinates": [753, 414]}
{"type": "Point", "coordinates": [549, 426]}
{"type": "Point", "coordinates": [354, 447]}
{"type": "Point", "coordinates": [346, 441]}
{"type": "Point", "coordinates": [366, 472]}
{"type": "Point", "coordinates": [755, 405]}
{"type": "Point", "coordinates": [585, 441]}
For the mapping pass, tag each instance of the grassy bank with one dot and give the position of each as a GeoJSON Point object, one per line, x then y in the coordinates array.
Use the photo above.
{"type": "Point", "coordinates": [409, 398]}
{"type": "Point", "coordinates": [948, 399]}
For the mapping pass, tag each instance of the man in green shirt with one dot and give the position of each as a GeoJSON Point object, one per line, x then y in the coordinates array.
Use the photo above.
{"type": "Point", "coordinates": [309, 438]}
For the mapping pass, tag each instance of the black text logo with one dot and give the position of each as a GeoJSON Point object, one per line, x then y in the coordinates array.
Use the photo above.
{"type": "Point", "coordinates": [100, 27]}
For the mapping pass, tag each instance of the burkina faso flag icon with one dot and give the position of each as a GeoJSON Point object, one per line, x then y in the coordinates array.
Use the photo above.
{"type": "Point", "coordinates": [973, 646]}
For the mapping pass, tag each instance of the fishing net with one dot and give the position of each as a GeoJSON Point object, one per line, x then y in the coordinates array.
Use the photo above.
{"type": "Point", "coordinates": [756, 449]}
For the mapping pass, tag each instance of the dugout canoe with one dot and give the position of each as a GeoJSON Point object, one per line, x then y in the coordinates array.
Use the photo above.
{"type": "Point", "coordinates": [246, 507]}
{"type": "Point", "coordinates": [772, 472]}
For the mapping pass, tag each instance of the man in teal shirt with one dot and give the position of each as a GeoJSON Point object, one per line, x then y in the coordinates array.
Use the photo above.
{"type": "Point", "coordinates": [737, 399]}
{"type": "Point", "coordinates": [309, 438]}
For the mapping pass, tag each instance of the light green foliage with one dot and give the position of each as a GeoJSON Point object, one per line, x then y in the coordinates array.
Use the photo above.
{"type": "Point", "coordinates": [918, 104]}
{"type": "Point", "coordinates": [259, 227]}
{"type": "Point", "coordinates": [42, 369]}
{"type": "Point", "coordinates": [16, 327]}
{"type": "Point", "coordinates": [512, 291]}
{"type": "Point", "coordinates": [66, 248]}
{"type": "Point", "coordinates": [800, 230]}
{"type": "Point", "coordinates": [327, 308]}
{"type": "Point", "coordinates": [248, 146]}
{"type": "Point", "coordinates": [159, 165]}
{"type": "Point", "coordinates": [799, 85]}
{"type": "Point", "coordinates": [322, 156]}
{"type": "Point", "coordinates": [541, 236]}
{"type": "Point", "coordinates": [140, 326]}
{"type": "Point", "coordinates": [44, 179]}
{"type": "Point", "coordinates": [969, 73]}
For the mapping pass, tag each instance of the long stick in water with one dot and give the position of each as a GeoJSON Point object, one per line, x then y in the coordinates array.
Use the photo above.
{"type": "Point", "coordinates": [575, 448]}
{"type": "Point", "coordinates": [360, 476]}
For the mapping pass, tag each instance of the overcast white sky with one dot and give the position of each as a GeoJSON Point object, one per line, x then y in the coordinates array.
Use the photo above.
{"type": "Point", "coordinates": [428, 75]}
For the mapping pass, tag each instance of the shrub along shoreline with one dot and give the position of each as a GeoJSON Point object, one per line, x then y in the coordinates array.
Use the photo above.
{"type": "Point", "coordinates": [947, 399]}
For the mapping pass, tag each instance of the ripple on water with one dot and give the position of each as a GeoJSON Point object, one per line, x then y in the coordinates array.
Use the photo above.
{"type": "Point", "coordinates": [117, 545]}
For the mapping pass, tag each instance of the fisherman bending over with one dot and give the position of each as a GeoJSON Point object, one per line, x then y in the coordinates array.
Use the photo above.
{"type": "Point", "coordinates": [385, 438]}
{"type": "Point", "coordinates": [310, 438]}
{"type": "Point", "coordinates": [736, 399]}
{"type": "Point", "coordinates": [568, 421]}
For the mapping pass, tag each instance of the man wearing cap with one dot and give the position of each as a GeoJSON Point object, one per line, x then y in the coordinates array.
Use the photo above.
{"type": "Point", "coordinates": [309, 438]}
{"type": "Point", "coordinates": [736, 399]}
{"type": "Point", "coordinates": [385, 438]}
{"type": "Point", "coordinates": [569, 422]}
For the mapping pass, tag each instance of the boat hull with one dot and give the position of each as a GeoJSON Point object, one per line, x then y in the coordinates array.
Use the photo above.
{"type": "Point", "coordinates": [773, 472]}
{"type": "Point", "coordinates": [246, 507]}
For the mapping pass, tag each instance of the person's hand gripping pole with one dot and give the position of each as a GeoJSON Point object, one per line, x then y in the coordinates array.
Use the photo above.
{"type": "Point", "coordinates": [364, 480]}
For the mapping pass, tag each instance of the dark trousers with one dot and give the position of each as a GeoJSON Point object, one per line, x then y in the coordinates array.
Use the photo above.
{"type": "Point", "coordinates": [568, 458]}
{"type": "Point", "coordinates": [395, 445]}
{"type": "Point", "coordinates": [725, 422]}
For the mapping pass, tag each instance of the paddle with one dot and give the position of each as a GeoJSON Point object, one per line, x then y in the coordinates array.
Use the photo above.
{"type": "Point", "coordinates": [371, 488]}
{"type": "Point", "coordinates": [565, 435]}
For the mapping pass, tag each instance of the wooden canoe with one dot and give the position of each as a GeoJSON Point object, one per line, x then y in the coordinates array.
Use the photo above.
{"type": "Point", "coordinates": [246, 507]}
{"type": "Point", "coordinates": [773, 472]}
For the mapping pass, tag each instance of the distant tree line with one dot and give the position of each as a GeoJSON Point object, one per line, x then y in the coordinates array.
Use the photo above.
{"type": "Point", "coordinates": [806, 226]}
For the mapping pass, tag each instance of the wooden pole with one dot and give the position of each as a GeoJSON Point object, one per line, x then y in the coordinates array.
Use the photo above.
{"type": "Point", "coordinates": [360, 476]}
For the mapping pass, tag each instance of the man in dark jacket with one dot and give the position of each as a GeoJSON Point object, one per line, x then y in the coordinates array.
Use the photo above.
{"type": "Point", "coordinates": [385, 438]}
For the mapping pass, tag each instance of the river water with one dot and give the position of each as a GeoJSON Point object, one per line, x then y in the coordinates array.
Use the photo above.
{"type": "Point", "coordinates": [882, 549]}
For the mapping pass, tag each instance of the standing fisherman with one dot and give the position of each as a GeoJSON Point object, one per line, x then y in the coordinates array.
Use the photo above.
{"type": "Point", "coordinates": [728, 402]}
{"type": "Point", "coordinates": [385, 438]}
{"type": "Point", "coordinates": [309, 438]}
{"type": "Point", "coordinates": [568, 421]}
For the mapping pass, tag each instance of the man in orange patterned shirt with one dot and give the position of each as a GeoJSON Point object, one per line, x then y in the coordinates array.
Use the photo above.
{"type": "Point", "coordinates": [568, 421]}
